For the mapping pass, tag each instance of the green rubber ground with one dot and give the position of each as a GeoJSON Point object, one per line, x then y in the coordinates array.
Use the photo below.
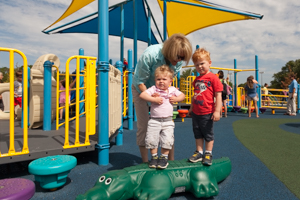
{"type": "Point", "coordinates": [278, 149]}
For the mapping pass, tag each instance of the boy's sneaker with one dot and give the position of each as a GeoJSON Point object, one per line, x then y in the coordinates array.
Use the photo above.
{"type": "Point", "coordinates": [153, 162]}
{"type": "Point", "coordinates": [162, 162]}
{"type": "Point", "coordinates": [207, 160]}
{"type": "Point", "coordinates": [196, 157]}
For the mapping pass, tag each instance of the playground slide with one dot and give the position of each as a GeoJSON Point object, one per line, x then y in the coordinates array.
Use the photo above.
{"type": "Point", "coordinates": [36, 102]}
{"type": "Point", "coordinates": [4, 91]}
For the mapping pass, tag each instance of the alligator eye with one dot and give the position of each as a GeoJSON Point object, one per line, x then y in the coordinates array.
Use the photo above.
{"type": "Point", "coordinates": [102, 178]}
{"type": "Point", "coordinates": [108, 181]}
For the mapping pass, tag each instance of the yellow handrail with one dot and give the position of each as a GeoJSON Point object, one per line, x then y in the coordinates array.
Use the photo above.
{"type": "Point", "coordinates": [125, 93]}
{"type": "Point", "coordinates": [90, 102]}
{"type": "Point", "coordinates": [25, 149]}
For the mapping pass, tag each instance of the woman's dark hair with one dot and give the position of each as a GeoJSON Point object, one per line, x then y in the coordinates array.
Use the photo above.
{"type": "Point", "coordinates": [221, 74]}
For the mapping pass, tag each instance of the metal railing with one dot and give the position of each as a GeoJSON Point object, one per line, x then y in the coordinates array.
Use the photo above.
{"type": "Point", "coordinates": [25, 149]}
{"type": "Point", "coordinates": [90, 101]}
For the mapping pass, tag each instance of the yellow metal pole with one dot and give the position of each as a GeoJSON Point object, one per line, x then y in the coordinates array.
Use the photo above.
{"type": "Point", "coordinates": [67, 103]}
{"type": "Point", "coordinates": [25, 103]}
{"type": "Point", "coordinates": [57, 96]}
{"type": "Point", "coordinates": [77, 102]}
{"type": "Point", "coordinates": [11, 105]}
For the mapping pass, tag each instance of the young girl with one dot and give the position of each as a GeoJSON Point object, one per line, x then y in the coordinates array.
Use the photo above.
{"type": "Point", "coordinates": [160, 129]}
{"type": "Point", "coordinates": [251, 94]}
{"type": "Point", "coordinates": [62, 96]}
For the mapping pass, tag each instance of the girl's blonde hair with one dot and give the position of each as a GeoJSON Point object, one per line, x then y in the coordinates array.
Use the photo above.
{"type": "Point", "coordinates": [176, 45]}
{"type": "Point", "coordinates": [200, 54]}
{"type": "Point", "coordinates": [164, 69]}
{"type": "Point", "coordinates": [250, 82]}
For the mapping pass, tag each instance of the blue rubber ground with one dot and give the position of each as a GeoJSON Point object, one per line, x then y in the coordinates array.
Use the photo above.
{"type": "Point", "coordinates": [249, 179]}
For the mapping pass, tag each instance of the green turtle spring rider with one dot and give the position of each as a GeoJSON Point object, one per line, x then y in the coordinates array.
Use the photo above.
{"type": "Point", "coordinates": [141, 182]}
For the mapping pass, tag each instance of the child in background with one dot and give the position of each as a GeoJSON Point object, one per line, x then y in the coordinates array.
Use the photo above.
{"type": "Point", "coordinates": [251, 94]}
{"type": "Point", "coordinates": [203, 110]}
{"type": "Point", "coordinates": [224, 92]}
{"type": "Point", "coordinates": [18, 88]}
{"type": "Point", "coordinates": [266, 92]}
{"type": "Point", "coordinates": [62, 96]}
{"type": "Point", "coordinates": [161, 126]}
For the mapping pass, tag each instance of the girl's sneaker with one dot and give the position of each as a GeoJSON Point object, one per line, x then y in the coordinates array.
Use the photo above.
{"type": "Point", "coordinates": [162, 162]}
{"type": "Point", "coordinates": [153, 162]}
{"type": "Point", "coordinates": [196, 157]}
{"type": "Point", "coordinates": [207, 160]}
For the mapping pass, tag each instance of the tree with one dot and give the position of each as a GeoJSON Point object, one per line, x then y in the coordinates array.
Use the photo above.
{"type": "Point", "coordinates": [5, 72]}
{"type": "Point", "coordinates": [188, 72]}
{"type": "Point", "coordinates": [281, 79]}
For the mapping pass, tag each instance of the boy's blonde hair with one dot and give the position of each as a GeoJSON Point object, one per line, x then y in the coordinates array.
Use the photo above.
{"type": "Point", "coordinates": [176, 45]}
{"type": "Point", "coordinates": [164, 69]}
{"type": "Point", "coordinates": [200, 54]}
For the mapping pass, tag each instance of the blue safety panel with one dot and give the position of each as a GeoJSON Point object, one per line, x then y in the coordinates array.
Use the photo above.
{"type": "Point", "coordinates": [52, 165]}
{"type": "Point", "coordinates": [91, 26]}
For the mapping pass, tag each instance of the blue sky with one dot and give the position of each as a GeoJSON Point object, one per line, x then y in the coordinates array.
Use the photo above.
{"type": "Point", "coordinates": [274, 39]}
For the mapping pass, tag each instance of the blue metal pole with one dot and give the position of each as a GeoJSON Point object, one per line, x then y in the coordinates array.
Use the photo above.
{"type": "Point", "coordinates": [165, 20]}
{"type": "Point", "coordinates": [119, 138]}
{"type": "Point", "coordinates": [235, 83]}
{"type": "Point", "coordinates": [81, 82]}
{"type": "Point", "coordinates": [47, 96]}
{"type": "Point", "coordinates": [256, 78]}
{"type": "Point", "coordinates": [28, 94]}
{"type": "Point", "coordinates": [103, 70]}
{"type": "Point", "coordinates": [259, 97]}
{"type": "Point", "coordinates": [197, 47]}
{"type": "Point", "coordinates": [298, 99]}
{"type": "Point", "coordinates": [122, 34]}
{"type": "Point", "coordinates": [256, 68]}
{"type": "Point", "coordinates": [149, 26]}
{"type": "Point", "coordinates": [130, 98]}
{"type": "Point", "coordinates": [135, 25]}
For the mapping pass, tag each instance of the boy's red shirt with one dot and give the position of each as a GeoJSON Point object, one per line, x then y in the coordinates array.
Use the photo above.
{"type": "Point", "coordinates": [204, 92]}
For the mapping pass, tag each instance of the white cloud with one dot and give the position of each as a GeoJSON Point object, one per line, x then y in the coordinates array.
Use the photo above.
{"type": "Point", "coordinates": [274, 38]}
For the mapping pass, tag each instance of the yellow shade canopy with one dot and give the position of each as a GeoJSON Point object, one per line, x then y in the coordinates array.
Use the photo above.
{"type": "Point", "coordinates": [185, 19]}
{"type": "Point", "coordinates": [74, 6]}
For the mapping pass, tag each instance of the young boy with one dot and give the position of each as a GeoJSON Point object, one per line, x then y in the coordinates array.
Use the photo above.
{"type": "Point", "coordinates": [160, 126]}
{"type": "Point", "coordinates": [203, 110]}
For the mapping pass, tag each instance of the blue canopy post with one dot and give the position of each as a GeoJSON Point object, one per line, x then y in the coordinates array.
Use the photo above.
{"type": "Point", "coordinates": [47, 96]}
{"type": "Point", "coordinates": [165, 20]}
{"type": "Point", "coordinates": [130, 98]}
{"type": "Point", "coordinates": [197, 47]}
{"type": "Point", "coordinates": [122, 34]}
{"type": "Point", "coordinates": [256, 78]}
{"type": "Point", "coordinates": [103, 96]}
{"type": "Point", "coordinates": [149, 26]}
{"type": "Point", "coordinates": [119, 138]}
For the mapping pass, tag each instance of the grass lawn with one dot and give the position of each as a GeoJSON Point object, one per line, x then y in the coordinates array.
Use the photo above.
{"type": "Point", "coordinates": [278, 149]}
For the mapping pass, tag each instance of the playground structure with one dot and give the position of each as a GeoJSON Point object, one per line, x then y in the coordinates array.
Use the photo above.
{"type": "Point", "coordinates": [43, 107]}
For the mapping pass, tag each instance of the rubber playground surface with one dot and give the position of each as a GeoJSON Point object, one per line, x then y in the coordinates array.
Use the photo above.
{"type": "Point", "coordinates": [264, 153]}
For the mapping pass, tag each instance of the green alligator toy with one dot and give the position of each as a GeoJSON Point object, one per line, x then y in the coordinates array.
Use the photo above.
{"type": "Point", "coordinates": [141, 182]}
